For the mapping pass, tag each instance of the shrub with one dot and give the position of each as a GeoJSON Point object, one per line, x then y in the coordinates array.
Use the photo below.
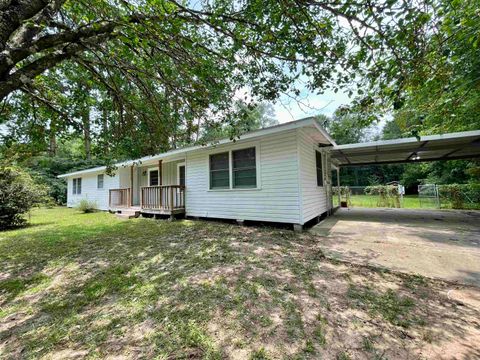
{"type": "Point", "coordinates": [460, 196]}
{"type": "Point", "coordinates": [86, 206]}
{"type": "Point", "coordinates": [388, 195]}
{"type": "Point", "coordinates": [344, 192]}
{"type": "Point", "coordinates": [18, 194]}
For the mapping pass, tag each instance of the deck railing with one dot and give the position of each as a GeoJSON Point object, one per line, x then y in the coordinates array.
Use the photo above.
{"type": "Point", "coordinates": [163, 197]}
{"type": "Point", "coordinates": [118, 198]}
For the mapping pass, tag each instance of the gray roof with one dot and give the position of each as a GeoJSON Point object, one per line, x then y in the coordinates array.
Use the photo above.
{"type": "Point", "coordinates": [460, 145]}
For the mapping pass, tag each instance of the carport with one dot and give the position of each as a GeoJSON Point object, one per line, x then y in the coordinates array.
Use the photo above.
{"type": "Point", "coordinates": [436, 243]}
{"type": "Point", "coordinates": [452, 146]}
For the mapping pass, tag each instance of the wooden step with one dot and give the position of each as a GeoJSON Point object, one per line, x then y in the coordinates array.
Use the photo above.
{"type": "Point", "coordinates": [127, 214]}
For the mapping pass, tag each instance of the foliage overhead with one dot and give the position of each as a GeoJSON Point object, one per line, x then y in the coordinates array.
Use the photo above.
{"type": "Point", "coordinates": [154, 71]}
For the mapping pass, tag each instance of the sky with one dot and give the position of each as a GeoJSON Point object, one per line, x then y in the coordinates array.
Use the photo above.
{"type": "Point", "coordinates": [309, 104]}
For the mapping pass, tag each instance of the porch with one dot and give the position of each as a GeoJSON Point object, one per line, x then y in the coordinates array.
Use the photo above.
{"type": "Point", "coordinates": [151, 188]}
{"type": "Point", "coordinates": [160, 199]}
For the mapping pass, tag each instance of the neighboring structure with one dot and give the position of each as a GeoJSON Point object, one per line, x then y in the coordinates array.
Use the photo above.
{"type": "Point", "coordinates": [278, 174]}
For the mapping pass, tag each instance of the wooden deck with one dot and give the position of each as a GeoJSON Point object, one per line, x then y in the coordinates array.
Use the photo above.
{"type": "Point", "coordinates": [157, 200]}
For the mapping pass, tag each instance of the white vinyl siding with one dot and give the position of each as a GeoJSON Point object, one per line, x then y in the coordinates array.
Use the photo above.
{"type": "Point", "coordinates": [276, 197]}
{"type": "Point", "coordinates": [313, 197]}
{"type": "Point", "coordinates": [90, 190]}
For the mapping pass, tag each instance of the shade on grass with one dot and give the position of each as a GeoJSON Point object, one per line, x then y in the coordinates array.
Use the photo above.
{"type": "Point", "coordinates": [90, 285]}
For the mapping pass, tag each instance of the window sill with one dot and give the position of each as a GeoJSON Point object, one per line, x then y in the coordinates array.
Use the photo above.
{"type": "Point", "coordinates": [234, 189]}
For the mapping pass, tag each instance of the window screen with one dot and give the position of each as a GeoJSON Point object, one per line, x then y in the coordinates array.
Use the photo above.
{"type": "Point", "coordinates": [219, 171]}
{"type": "Point", "coordinates": [100, 181]}
{"type": "Point", "coordinates": [319, 168]}
{"type": "Point", "coordinates": [77, 186]}
{"type": "Point", "coordinates": [244, 168]}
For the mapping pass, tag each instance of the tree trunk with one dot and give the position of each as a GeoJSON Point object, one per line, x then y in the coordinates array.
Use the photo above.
{"type": "Point", "coordinates": [86, 133]}
{"type": "Point", "coordinates": [52, 138]}
{"type": "Point", "coordinates": [52, 146]}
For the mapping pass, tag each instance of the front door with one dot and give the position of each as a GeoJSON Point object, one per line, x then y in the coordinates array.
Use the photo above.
{"type": "Point", "coordinates": [153, 179]}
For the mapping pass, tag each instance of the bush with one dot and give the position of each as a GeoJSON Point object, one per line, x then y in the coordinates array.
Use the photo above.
{"type": "Point", "coordinates": [18, 194]}
{"type": "Point", "coordinates": [86, 206]}
{"type": "Point", "coordinates": [388, 195]}
{"type": "Point", "coordinates": [460, 196]}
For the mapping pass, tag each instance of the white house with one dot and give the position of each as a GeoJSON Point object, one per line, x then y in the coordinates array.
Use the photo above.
{"type": "Point", "coordinates": [278, 174]}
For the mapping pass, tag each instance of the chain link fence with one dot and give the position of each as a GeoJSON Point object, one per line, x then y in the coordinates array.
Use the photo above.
{"type": "Point", "coordinates": [428, 196]}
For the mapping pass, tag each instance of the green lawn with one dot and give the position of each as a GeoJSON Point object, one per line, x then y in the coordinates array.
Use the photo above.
{"type": "Point", "coordinates": [408, 202]}
{"type": "Point", "coordinates": [78, 285]}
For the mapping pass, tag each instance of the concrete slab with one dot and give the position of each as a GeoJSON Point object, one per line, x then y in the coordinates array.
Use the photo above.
{"type": "Point", "coordinates": [443, 244]}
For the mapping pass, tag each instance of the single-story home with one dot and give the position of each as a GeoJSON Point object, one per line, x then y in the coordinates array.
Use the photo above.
{"type": "Point", "coordinates": [277, 174]}
{"type": "Point", "coordinates": [280, 174]}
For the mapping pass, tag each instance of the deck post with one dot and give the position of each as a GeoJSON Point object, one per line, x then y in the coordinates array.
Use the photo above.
{"type": "Point", "coordinates": [171, 198]}
{"type": "Point", "coordinates": [160, 172]}
{"type": "Point", "coordinates": [131, 186]}
{"type": "Point", "coordinates": [338, 187]}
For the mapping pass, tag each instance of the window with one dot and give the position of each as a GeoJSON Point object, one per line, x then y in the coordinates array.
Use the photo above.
{"type": "Point", "coordinates": [219, 171]}
{"type": "Point", "coordinates": [77, 186]}
{"type": "Point", "coordinates": [244, 170]}
{"type": "Point", "coordinates": [153, 178]}
{"type": "Point", "coordinates": [100, 181]}
{"type": "Point", "coordinates": [181, 175]}
{"type": "Point", "coordinates": [319, 168]}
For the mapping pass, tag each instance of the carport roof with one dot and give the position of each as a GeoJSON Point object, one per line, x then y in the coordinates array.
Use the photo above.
{"type": "Point", "coordinates": [460, 145]}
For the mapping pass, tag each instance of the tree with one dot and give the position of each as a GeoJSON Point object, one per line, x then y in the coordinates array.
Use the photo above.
{"type": "Point", "coordinates": [187, 60]}
{"type": "Point", "coordinates": [434, 88]}
{"type": "Point", "coordinates": [346, 127]}
{"type": "Point", "coordinates": [18, 194]}
{"type": "Point", "coordinates": [249, 118]}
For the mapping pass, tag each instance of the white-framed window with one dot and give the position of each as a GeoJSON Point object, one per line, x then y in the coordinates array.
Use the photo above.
{"type": "Point", "coordinates": [77, 186]}
{"type": "Point", "coordinates": [220, 171]}
{"type": "Point", "coordinates": [100, 179]}
{"type": "Point", "coordinates": [319, 167]}
{"type": "Point", "coordinates": [234, 169]}
{"type": "Point", "coordinates": [244, 168]}
{"type": "Point", "coordinates": [153, 178]}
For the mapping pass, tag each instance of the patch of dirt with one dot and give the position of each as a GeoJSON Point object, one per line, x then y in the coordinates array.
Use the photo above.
{"type": "Point", "coordinates": [437, 326]}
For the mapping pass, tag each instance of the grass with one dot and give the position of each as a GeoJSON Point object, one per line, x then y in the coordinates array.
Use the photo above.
{"type": "Point", "coordinates": [408, 202]}
{"type": "Point", "coordinates": [90, 285]}
{"type": "Point", "coordinates": [393, 308]}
